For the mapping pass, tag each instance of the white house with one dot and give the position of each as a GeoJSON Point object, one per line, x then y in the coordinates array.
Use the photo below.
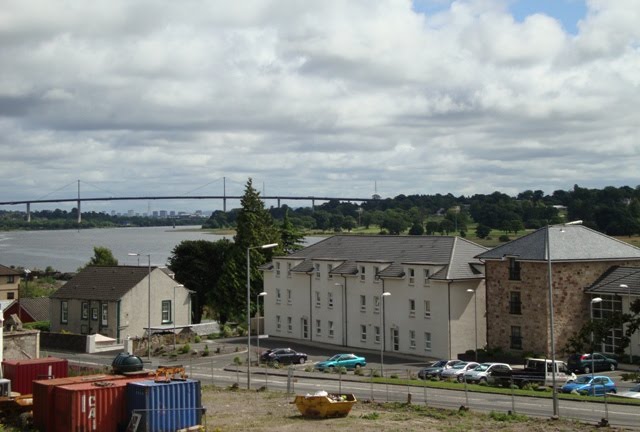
{"type": "Point", "coordinates": [332, 292]}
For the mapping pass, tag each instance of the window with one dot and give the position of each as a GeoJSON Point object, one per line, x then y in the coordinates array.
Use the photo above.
{"type": "Point", "coordinates": [515, 304]}
{"type": "Point", "coordinates": [412, 308]}
{"type": "Point", "coordinates": [427, 341]}
{"type": "Point", "coordinates": [11, 279]}
{"type": "Point", "coordinates": [376, 332]}
{"type": "Point", "coordinates": [412, 276]}
{"type": "Point", "coordinates": [94, 314]}
{"type": "Point", "coordinates": [412, 339]}
{"type": "Point", "coordinates": [277, 269]}
{"type": "Point", "coordinates": [426, 275]}
{"type": "Point", "coordinates": [329, 270]}
{"type": "Point", "coordinates": [104, 315]}
{"type": "Point", "coordinates": [85, 311]}
{"type": "Point", "coordinates": [516, 337]}
{"type": "Point", "coordinates": [514, 269]}
{"type": "Point", "coordinates": [330, 328]}
{"type": "Point", "coordinates": [289, 300]}
{"type": "Point", "coordinates": [376, 278]}
{"type": "Point", "coordinates": [10, 295]}
{"type": "Point", "coordinates": [363, 303]}
{"type": "Point", "coordinates": [363, 333]}
{"type": "Point", "coordinates": [362, 274]}
{"type": "Point", "coordinates": [330, 300]}
{"type": "Point", "coordinates": [64, 312]}
{"type": "Point", "coordinates": [376, 304]}
{"type": "Point", "coordinates": [278, 323]}
{"type": "Point", "coordinates": [318, 328]}
{"type": "Point", "coordinates": [427, 308]}
{"type": "Point", "coordinates": [288, 270]}
{"type": "Point", "coordinates": [166, 311]}
{"type": "Point", "coordinates": [289, 325]}
{"type": "Point", "coordinates": [278, 295]}
{"type": "Point", "coordinates": [317, 299]}
{"type": "Point", "coordinates": [316, 269]}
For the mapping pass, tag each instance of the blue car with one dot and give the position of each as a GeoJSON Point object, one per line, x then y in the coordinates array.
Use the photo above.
{"type": "Point", "coordinates": [348, 361]}
{"type": "Point", "coordinates": [596, 386]}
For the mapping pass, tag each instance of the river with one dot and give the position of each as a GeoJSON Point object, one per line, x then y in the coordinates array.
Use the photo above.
{"type": "Point", "coordinates": [66, 250]}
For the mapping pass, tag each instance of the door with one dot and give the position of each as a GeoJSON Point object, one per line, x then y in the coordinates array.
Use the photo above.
{"type": "Point", "coordinates": [395, 338]}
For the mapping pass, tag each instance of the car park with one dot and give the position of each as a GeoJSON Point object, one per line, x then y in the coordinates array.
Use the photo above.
{"type": "Point", "coordinates": [283, 356]}
{"type": "Point", "coordinates": [435, 369]}
{"type": "Point", "coordinates": [591, 362]}
{"type": "Point", "coordinates": [457, 370]}
{"type": "Point", "coordinates": [590, 385]}
{"type": "Point", "coordinates": [348, 361]}
{"type": "Point", "coordinates": [633, 392]}
{"type": "Point", "coordinates": [483, 371]}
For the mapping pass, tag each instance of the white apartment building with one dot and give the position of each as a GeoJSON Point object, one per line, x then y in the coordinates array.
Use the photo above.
{"type": "Point", "coordinates": [332, 292]}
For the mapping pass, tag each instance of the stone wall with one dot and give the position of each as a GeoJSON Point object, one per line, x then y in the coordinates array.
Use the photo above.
{"type": "Point", "coordinates": [20, 344]}
{"type": "Point", "coordinates": [571, 305]}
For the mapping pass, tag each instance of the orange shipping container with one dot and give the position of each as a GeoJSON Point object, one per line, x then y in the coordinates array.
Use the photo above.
{"type": "Point", "coordinates": [97, 406]}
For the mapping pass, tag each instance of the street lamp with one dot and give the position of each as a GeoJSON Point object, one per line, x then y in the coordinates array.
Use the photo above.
{"type": "Point", "coordinates": [551, 329]}
{"type": "Point", "coordinates": [593, 362]}
{"type": "Point", "coordinates": [384, 294]}
{"type": "Point", "coordinates": [343, 321]}
{"type": "Point", "coordinates": [148, 301]}
{"type": "Point", "coordinates": [630, 341]}
{"type": "Point", "coordinates": [265, 246]}
{"type": "Point", "coordinates": [26, 290]}
{"type": "Point", "coordinates": [475, 317]}
{"type": "Point", "coordinates": [175, 316]}
{"type": "Point", "coordinates": [262, 294]}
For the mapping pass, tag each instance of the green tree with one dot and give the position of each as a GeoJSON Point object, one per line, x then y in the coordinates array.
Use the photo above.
{"type": "Point", "coordinates": [291, 238]}
{"type": "Point", "coordinates": [198, 264]}
{"type": "Point", "coordinates": [432, 227]}
{"type": "Point", "coordinates": [482, 231]}
{"type": "Point", "coordinates": [416, 229]}
{"type": "Point", "coordinates": [102, 257]}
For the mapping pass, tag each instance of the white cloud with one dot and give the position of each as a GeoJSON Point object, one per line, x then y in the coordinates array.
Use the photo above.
{"type": "Point", "coordinates": [320, 98]}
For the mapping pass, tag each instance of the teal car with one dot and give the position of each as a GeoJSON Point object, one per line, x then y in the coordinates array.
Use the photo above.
{"type": "Point", "coordinates": [347, 361]}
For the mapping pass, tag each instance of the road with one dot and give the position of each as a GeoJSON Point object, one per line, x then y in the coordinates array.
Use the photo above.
{"type": "Point", "coordinates": [219, 370]}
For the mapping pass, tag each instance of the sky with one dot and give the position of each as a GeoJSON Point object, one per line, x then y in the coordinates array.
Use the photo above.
{"type": "Point", "coordinates": [342, 98]}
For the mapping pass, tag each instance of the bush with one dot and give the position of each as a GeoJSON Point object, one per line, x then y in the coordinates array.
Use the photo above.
{"type": "Point", "coordinates": [38, 325]}
{"type": "Point", "coordinates": [205, 353]}
{"type": "Point", "coordinates": [197, 339]}
{"type": "Point", "coordinates": [237, 360]}
{"type": "Point", "coordinates": [185, 348]}
{"type": "Point", "coordinates": [359, 372]}
{"type": "Point", "coordinates": [504, 238]}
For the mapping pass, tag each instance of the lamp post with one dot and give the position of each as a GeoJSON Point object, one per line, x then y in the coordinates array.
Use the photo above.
{"type": "Point", "coordinates": [593, 362]}
{"type": "Point", "coordinates": [551, 329]}
{"type": "Point", "coordinates": [384, 294]}
{"type": "Point", "coordinates": [342, 320]}
{"type": "Point", "coordinates": [475, 318]}
{"type": "Point", "coordinates": [265, 246]}
{"type": "Point", "coordinates": [262, 294]}
{"type": "Point", "coordinates": [623, 286]}
{"type": "Point", "coordinates": [175, 316]}
{"type": "Point", "coordinates": [148, 301]}
{"type": "Point", "coordinates": [26, 289]}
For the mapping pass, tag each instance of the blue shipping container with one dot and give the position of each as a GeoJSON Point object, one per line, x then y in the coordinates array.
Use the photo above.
{"type": "Point", "coordinates": [165, 406]}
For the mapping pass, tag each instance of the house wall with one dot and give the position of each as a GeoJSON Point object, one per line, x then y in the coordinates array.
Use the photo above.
{"type": "Point", "coordinates": [9, 287]}
{"type": "Point", "coordinates": [348, 315]}
{"type": "Point", "coordinates": [569, 302]}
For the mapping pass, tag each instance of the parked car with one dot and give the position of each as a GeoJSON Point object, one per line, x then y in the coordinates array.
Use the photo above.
{"type": "Point", "coordinates": [482, 372]}
{"type": "Point", "coordinates": [283, 356]}
{"type": "Point", "coordinates": [348, 361]}
{"type": "Point", "coordinates": [633, 392]}
{"type": "Point", "coordinates": [435, 369]}
{"type": "Point", "coordinates": [586, 363]}
{"type": "Point", "coordinates": [457, 370]}
{"type": "Point", "coordinates": [594, 386]}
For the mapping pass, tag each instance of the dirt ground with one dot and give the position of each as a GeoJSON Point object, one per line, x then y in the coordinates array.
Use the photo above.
{"type": "Point", "coordinates": [243, 410]}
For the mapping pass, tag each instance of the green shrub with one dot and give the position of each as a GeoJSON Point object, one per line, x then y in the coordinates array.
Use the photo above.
{"type": "Point", "coordinates": [237, 360]}
{"type": "Point", "coordinates": [197, 339]}
{"type": "Point", "coordinates": [38, 325]}
{"type": "Point", "coordinates": [185, 348]}
{"type": "Point", "coordinates": [205, 353]}
{"type": "Point", "coordinates": [359, 372]}
{"type": "Point", "coordinates": [371, 416]}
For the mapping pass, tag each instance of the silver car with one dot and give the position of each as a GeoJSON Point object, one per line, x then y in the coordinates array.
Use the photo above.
{"type": "Point", "coordinates": [482, 372]}
{"type": "Point", "coordinates": [457, 371]}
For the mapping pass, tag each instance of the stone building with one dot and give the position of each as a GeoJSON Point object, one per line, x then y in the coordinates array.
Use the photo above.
{"type": "Point", "coordinates": [518, 285]}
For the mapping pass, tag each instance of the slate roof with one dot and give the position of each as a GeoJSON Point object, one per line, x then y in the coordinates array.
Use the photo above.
{"type": "Point", "coordinates": [456, 254]}
{"type": "Point", "coordinates": [37, 307]}
{"type": "Point", "coordinates": [609, 283]}
{"type": "Point", "coordinates": [567, 243]}
{"type": "Point", "coordinates": [102, 283]}
{"type": "Point", "coordinates": [7, 271]}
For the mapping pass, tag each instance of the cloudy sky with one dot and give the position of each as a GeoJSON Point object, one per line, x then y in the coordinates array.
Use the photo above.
{"type": "Point", "coordinates": [329, 98]}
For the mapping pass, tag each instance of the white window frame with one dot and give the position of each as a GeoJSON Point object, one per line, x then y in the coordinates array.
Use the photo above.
{"type": "Point", "coordinates": [277, 269]}
{"type": "Point", "coordinates": [412, 275]}
{"type": "Point", "coordinates": [412, 308]}
{"type": "Point", "coordinates": [316, 269]}
{"type": "Point", "coordinates": [64, 312]}
{"type": "Point", "coordinates": [278, 295]}
{"type": "Point", "coordinates": [288, 269]}
{"type": "Point", "coordinates": [330, 328]}
{"type": "Point", "coordinates": [363, 303]}
{"type": "Point", "coordinates": [329, 270]}
{"type": "Point", "coordinates": [330, 300]}
{"type": "Point", "coordinates": [427, 276]}
{"type": "Point", "coordinates": [278, 323]}
{"type": "Point", "coordinates": [165, 313]}
{"type": "Point", "coordinates": [427, 341]}
{"type": "Point", "coordinates": [376, 270]}
{"type": "Point", "coordinates": [289, 324]}
{"type": "Point", "coordinates": [412, 339]}
{"type": "Point", "coordinates": [363, 333]}
{"type": "Point", "coordinates": [318, 327]}
{"type": "Point", "coordinates": [318, 301]}
{"type": "Point", "coordinates": [427, 309]}
{"type": "Point", "coordinates": [289, 296]}
{"type": "Point", "coordinates": [376, 333]}
{"type": "Point", "coordinates": [376, 304]}
{"type": "Point", "coordinates": [363, 273]}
